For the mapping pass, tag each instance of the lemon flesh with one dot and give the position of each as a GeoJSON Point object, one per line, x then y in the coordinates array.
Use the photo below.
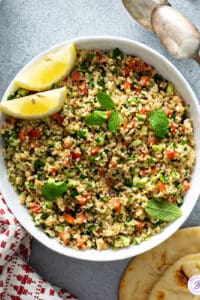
{"type": "Point", "coordinates": [49, 69]}
{"type": "Point", "coordinates": [36, 106]}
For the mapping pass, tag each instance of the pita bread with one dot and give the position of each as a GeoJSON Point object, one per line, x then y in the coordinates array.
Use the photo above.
{"type": "Point", "coordinates": [144, 270]}
{"type": "Point", "coordinates": [173, 284]}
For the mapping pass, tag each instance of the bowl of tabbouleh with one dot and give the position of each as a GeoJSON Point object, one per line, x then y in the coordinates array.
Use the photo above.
{"type": "Point", "coordinates": [116, 171]}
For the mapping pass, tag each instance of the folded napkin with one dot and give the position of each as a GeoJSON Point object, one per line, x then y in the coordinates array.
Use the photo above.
{"type": "Point", "coordinates": [18, 281]}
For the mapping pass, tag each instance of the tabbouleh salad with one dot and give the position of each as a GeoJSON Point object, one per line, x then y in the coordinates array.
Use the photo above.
{"type": "Point", "coordinates": [112, 167]}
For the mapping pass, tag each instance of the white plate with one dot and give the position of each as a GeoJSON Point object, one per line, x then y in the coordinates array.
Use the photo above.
{"type": "Point", "coordinates": [168, 71]}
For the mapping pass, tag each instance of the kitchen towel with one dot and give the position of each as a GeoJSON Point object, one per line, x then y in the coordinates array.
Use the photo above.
{"type": "Point", "coordinates": [18, 281]}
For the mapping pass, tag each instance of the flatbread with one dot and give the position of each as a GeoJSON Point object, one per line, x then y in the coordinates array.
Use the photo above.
{"type": "Point", "coordinates": [145, 269]}
{"type": "Point", "coordinates": [173, 283]}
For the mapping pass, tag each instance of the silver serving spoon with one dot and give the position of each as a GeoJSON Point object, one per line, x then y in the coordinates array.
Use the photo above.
{"type": "Point", "coordinates": [141, 10]}
{"type": "Point", "coordinates": [175, 31]}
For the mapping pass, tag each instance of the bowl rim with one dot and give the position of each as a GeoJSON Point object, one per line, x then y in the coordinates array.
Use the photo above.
{"type": "Point", "coordinates": [103, 255]}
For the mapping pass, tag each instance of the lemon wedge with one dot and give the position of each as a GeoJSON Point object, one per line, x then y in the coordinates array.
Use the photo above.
{"type": "Point", "coordinates": [49, 69]}
{"type": "Point", "coordinates": [36, 106]}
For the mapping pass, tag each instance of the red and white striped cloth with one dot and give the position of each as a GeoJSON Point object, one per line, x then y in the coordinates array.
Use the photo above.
{"type": "Point", "coordinates": [17, 280]}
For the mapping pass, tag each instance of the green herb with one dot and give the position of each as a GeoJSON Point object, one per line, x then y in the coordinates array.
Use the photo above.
{"type": "Point", "coordinates": [100, 139]}
{"type": "Point", "coordinates": [113, 122]}
{"type": "Point", "coordinates": [90, 229]}
{"type": "Point", "coordinates": [138, 185]}
{"type": "Point", "coordinates": [52, 190]}
{"type": "Point", "coordinates": [83, 133]}
{"type": "Point", "coordinates": [101, 82]}
{"type": "Point", "coordinates": [82, 68]}
{"type": "Point", "coordinates": [38, 165]}
{"type": "Point", "coordinates": [164, 178]}
{"type": "Point", "coordinates": [105, 101]}
{"type": "Point", "coordinates": [31, 186]}
{"type": "Point", "coordinates": [90, 56]}
{"type": "Point", "coordinates": [10, 136]}
{"type": "Point", "coordinates": [54, 86]}
{"type": "Point", "coordinates": [82, 176]}
{"type": "Point", "coordinates": [91, 80]}
{"type": "Point", "coordinates": [116, 53]}
{"type": "Point", "coordinates": [137, 240]}
{"type": "Point", "coordinates": [162, 210]}
{"type": "Point", "coordinates": [11, 97]}
{"type": "Point", "coordinates": [158, 77]}
{"type": "Point", "coordinates": [44, 216]}
{"type": "Point", "coordinates": [96, 118]}
{"type": "Point", "coordinates": [184, 143]}
{"type": "Point", "coordinates": [159, 122]}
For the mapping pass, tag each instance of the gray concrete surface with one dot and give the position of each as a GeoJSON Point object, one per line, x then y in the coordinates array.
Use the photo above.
{"type": "Point", "coordinates": [28, 27]}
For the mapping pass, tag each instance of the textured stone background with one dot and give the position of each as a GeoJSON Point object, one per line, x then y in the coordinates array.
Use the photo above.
{"type": "Point", "coordinates": [28, 27]}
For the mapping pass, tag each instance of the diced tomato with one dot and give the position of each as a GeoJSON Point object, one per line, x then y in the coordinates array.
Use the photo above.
{"type": "Point", "coordinates": [81, 243]}
{"type": "Point", "coordinates": [108, 114]}
{"type": "Point", "coordinates": [145, 80]}
{"type": "Point", "coordinates": [82, 199]}
{"type": "Point", "coordinates": [64, 237]}
{"type": "Point", "coordinates": [34, 145]}
{"type": "Point", "coordinates": [144, 172]}
{"type": "Point", "coordinates": [127, 85]}
{"type": "Point", "coordinates": [173, 127]}
{"type": "Point", "coordinates": [112, 164]}
{"type": "Point", "coordinates": [109, 181]}
{"type": "Point", "coordinates": [168, 111]}
{"type": "Point", "coordinates": [94, 151]}
{"type": "Point", "coordinates": [133, 64]}
{"type": "Point", "coordinates": [83, 91]}
{"type": "Point", "coordinates": [52, 170]}
{"type": "Point", "coordinates": [170, 154]}
{"type": "Point", "coordinates": [186, 185]}
{"type": "Point", "coordinates": [144, 110]}
{"type": "Point", "coordinates": [69, 219]}
{"type": "Point", "coordinates": [102, 171]}
{"type": "Point", "coordinates": [12, 121]}
{"type": "Point", "coordinates": [76, 155]}
{"type": "Point", "coordinates": [116, 203]}
{"type": "Point", "coordinates": [76, 75]}
{"type": "Point", "coordinates": [153, 169]}
{"type": "Point", "coordinates": [131, 125]}
{"type": "Point", "coordinates": [152, 140]}
{"type": "Point", "coordinates": [22, 134]}
{"type": "Point", "coordinates": [127, 71]}
{"type": "Point", "coordinates": [139, 226]}
{"type": "Point", "coordinates": [100, 58]}
{"type": "Point", "coordinates": [172, 199]}
{"type": "Point", "coordinates": [125, 125]}
{"type": "Point", "coordinates": [35, 208]}
{"type": "Point", "coordinates": [58, 118]}
{"type": "Point", "coordinates": [144, 66]}
{"type": "Point", "coordinates": [161, 186]}
{"type": "Point", "coordinates": [35, 133]}
{"type": "Point", "coordinates": [81, 218]}
{"type": "Point", "coordinates": [137, 91]}
{"type": "Point", "coordinates": [67, 162]}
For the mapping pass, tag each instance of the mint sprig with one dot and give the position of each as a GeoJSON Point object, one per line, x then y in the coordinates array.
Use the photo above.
{"type": "Point", "coordinates": [162, 210]}
{"type": "Point", "coordinates": [113, 122]}
{"type": "Point", "coordinates": [52, 190]}
{"type": "Point", "coordinates": [159, 122]}
{"type": "Point", "coordinates": [98, 117]}
{"type": "Point", "coordinates": [105, 101]}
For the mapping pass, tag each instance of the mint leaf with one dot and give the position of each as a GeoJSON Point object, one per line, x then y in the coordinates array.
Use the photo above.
{"type": "Point", "coordinates": [105, 101]}
{"type": "Point", "coordinates": [98, 117]}
{"type": "Point", "coordinates": [159, 122]}
{"type": "Point", "coordinates": [113, 122]}
{"type": "Point", "coordinates": [52, 190]}
{"type": "Point", "coordinates": [162, 210]}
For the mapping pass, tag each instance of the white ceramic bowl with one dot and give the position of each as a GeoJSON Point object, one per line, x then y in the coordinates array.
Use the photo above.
{"type": "Point", "coordinates": [168, 71]}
